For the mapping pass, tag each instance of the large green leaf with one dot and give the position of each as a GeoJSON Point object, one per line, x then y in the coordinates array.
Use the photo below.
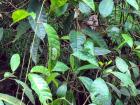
{"type": "Point", "coordinates": [77, 39]}
{"type": "Point", "coordinates": [122, 66]}
{"type": "Point", "coordinates": [133, 3]}
{"type": "Point", "coordinates": [40, 69]}
{"type": "Point", "coordinates": [19, 15]}
{"type": "Point", "coordinates": [40, 86]}
{"type": "Point", "coordinates": [14, 62]}
{"type": "Point", "coordinates": [127, 82]}
{"type": "Point", "coordinates": [96, 37]}
{"type": "Point", "coordinates": [27, 91]}
{"type": "Point", "coordinates": [36, 21]}
{"type": "Point", "coordinates": [87, 54]}
{"type": "Point", "coordinates": [90, 3]}
{"type": "Point", "coordinates": [98, 90]}
{"type": "Point", "coordinates": [54, 45]}
{"type": "Point", "coordinates": [106, 7]}
{"type": "Point", "coordinates": [10, 99]}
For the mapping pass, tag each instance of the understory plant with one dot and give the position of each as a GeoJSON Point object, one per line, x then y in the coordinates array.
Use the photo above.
{"type": "Point", "coordinates": [80, 52]}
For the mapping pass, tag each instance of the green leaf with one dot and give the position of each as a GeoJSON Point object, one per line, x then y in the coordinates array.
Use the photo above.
{"type": "Point", "coordinates": [118, 102]}
{"type": "Point", "coordinates": [115, 89]}
{"type": "Point", "coordinates": [52, 78]}
{"type": "Point", "coordinates": [90, 3]}
{"type": "Point", "coordinates": [106, 7]}
{"type": "Point", "coordinates": [87, 67]}
{"type": "Point", "coordinates": [21, 29]}
{"type": "Point", "coordinates": [96, 37]}
{"type": "Point", "coordinates": [1, 33]}
{"type": "Point", "coordinates": [98, 90]}
{"type": "Point", "coordinates": [40, 86]}
{"type": "Point", "coordinates": [128, 39]}
{"type": "Point", "coordinates": [55, 4]}
{"type": "Point", "coordinates": [34, 49]}
{"type": "Point", "coordinates": [133, 3]}
{"type": "Point", "coordinates": [61, 91]}
{"type": "Point", "coordinates": [61, 10]}
{"type": "Point", "coordinates": [87, 54]}
{"type": "Point", "coordinates": [38, 18]}
{"type": "Point", "coordinates": [8, 75]}
{"type": "Point", "coordinates": [126, 82]}
{"type": "Point", "coordinates": [10, 99]}
{"type": "Point", "coordinates": [15, 62]}
{"type": "Point", "coordinates": [84, 8]}
{"type": "Point", "coordinates": [87, 83]}
{"type": "Point", "coordinates": [135, 69]}
{"type": "Point", "coordinates": [77, 39]}
{"type": "Point", "coordinates": [101, 51]}
{"type": "Point", "coordinates": [60, 67]}
{"type": "Point", "coordinates": [54, 45]}
{"type": "Point", "coordinates": [40, 69]}
{"type": "Point", "coordinates": [19, 15]}
{"type": "Point", "coordinates": [1, 102]}
{"type": "Point", "coordinates": [122, 66]}
{"type": "Point", "coordinates": [27, 90]}
{"type": "Point", "coordinates": [61, 101]}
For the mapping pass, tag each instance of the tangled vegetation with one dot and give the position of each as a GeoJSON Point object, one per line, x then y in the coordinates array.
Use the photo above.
{"type": "Point", "coordinates": [69, 52]}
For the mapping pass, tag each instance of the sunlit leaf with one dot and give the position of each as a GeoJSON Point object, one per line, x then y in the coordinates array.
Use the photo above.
{"type": "Point", "coordinates": [133, 3]}
{"type": "Point", "coordinates": [54, 45]}
{"type": "Point", "coordinates": [106, 7]}
{"type": "Point", "coordinates": [122, 66]}
{"type": "Point", "coordinates": [60, 67]}
{"type": "Point", "coordinates": [40, 86]}
{"type": "Point", "coordinates": [98, 90]}
{"type": "Point", "coordinates": [128, 39]}
{"type": "Point", "coordinates": [40, 69]}
{"type": "Point", "coordinates": [15, 62]}
{"type": "Point", "coordinates": [19, 15]}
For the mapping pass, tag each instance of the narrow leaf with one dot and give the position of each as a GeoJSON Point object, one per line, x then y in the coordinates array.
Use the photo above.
{"type": "Point", "coordinates": [10, 99]}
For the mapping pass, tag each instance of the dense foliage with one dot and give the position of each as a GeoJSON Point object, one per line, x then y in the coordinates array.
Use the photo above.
{"type": "Point", "coordinates": [69, 52]}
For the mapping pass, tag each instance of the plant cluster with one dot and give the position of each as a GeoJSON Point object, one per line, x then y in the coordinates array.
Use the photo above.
{"type": "Point", "coordinates": [71, 52]}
